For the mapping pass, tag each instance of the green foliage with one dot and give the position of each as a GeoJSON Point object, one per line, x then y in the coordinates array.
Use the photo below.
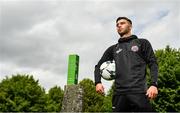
{"type": "Point", "coordinates": [168, 80]}
{"type": "Point", "coordinates": [21, 93]}
{"type": "Point", "coordinates": [92, 101]}
{"type": "Point", "coordinates": [55, 97]}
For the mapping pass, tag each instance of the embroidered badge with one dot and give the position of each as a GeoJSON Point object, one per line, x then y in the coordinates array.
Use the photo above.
{"type": "Point", "coordinates": [134, 48]}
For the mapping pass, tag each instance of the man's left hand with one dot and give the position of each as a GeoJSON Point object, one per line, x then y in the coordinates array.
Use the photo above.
{"type": "Point", "coordinates": [152, 92]}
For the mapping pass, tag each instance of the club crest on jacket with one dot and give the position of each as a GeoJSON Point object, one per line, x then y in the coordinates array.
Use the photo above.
{"type": "Point", "coordinates": [134, 48]}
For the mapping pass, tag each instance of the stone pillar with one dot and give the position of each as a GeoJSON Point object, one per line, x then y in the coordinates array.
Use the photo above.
{"type": "Point", "coordinates": [73, 99]}
{"type": "Point", "coordinates": [73, 93]}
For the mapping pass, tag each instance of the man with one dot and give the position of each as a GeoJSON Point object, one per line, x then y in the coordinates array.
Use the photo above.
{"type": "Point", "coordinates": [131, 55]}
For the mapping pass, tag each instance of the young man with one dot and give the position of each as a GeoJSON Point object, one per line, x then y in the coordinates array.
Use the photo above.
{"type": "Point", "coordinates": [131, 55]}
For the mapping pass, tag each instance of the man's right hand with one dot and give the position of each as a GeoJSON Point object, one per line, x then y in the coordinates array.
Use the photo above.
{"type": "Point", "coordinates": [100, 88]}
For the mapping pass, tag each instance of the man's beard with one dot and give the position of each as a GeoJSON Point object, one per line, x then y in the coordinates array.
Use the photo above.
{"type": "Point", "coordinates": [121, 34]}
{"type": "Point", "coordinates": [126, 31]}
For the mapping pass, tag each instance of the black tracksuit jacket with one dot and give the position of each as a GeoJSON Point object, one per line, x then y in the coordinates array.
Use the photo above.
{"type": "Point", "coordinates": [131, 55]}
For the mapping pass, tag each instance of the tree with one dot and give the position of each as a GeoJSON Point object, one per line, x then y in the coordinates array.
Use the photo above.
{"type": "Point", "coordinates": [54, 101]}
{"type": "Point", "coordinates": [168, 80]}
{"type": "Point", "coordinates": [92, 101]}
{"type": "Point", "coordinates": [21, 93]}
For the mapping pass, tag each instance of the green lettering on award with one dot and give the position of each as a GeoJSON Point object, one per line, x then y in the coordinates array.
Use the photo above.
{"type": "Point", "coordinates": [73, 67]}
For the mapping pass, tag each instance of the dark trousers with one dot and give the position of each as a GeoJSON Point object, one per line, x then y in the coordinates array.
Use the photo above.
{"type": "Point", "coordinates": [131, 103]}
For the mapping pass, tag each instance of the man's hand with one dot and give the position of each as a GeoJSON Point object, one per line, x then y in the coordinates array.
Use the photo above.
{"type": "Point", "coordinates": [152, 92]}
{"type": "Point", "coordinates": [100, 88]}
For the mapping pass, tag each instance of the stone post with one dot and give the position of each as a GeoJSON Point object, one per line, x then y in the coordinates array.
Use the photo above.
{"type": "Point", "coordinates": [73, 93]}
{"type": "Point", "coordinates": [72, 101]}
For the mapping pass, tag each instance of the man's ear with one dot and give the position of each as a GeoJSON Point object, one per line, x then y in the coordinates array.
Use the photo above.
{"type": "Point", "coordinates": [130, 26]}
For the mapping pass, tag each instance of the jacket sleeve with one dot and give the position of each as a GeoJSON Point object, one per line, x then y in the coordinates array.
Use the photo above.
{"type": "Point", "coordinates": [151, 61]}
{"type": "Point", "coordinates": [108, 55]}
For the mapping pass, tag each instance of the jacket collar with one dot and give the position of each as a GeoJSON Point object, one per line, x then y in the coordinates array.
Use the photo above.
{"type": "Point", "coordinates": [127, 38]}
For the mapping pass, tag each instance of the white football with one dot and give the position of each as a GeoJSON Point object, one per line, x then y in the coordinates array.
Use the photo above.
{"type": "Point", "coordinates": [107, 70]}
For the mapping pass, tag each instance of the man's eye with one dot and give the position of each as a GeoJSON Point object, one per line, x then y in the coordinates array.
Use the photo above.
{"type": "Point", "coordinates": [118, 24]}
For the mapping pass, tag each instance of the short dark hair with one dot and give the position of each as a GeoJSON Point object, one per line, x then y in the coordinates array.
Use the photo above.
{"type": "Point", "coordinates": [119, 18]}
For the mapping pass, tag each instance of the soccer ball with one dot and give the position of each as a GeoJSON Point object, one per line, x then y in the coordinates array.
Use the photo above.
{"type": "Point", "coordinates": [107, 70]}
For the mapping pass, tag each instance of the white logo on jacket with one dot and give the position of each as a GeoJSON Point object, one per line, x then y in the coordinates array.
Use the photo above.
{"type": "Point", "coordinates": [119, 50]}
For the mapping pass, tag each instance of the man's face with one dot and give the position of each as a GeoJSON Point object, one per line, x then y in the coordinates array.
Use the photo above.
{"type": "Point", "coordinates": [123, 27]}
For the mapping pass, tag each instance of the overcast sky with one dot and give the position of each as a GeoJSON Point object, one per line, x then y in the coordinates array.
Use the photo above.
{"type": "Point", "coordinates": [36, 36]}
